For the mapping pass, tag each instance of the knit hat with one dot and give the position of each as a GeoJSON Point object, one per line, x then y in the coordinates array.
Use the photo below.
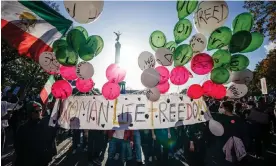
{"type": "Point", "coordinates": [34, 106]}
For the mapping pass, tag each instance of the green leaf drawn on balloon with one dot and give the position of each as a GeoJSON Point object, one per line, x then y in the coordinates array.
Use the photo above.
{"type": "Point", "coordinates": [182, 55]}
{"type": "Point", "coordinates": [256, 42]}
{"type": "Point", "coordinates": [238, 62]}
{"type": "Point", "coordinates": [182, 30]}
{"type": "Point", "coordinates": [240, 41]}
{"type": "Point", "coordinates": [221, 58]}
{"type": "Point", "coordinates": [219, 38]}
{"type": "Point", "coordinates": [242, 22]}
{"type": "Point", "coordinates": [171, 45]}
{"type": "Point", "coordinates": [220, 75]}
{"type": "Point", "coordinates": [157, 40]}
{"type": "Point", "coordinates": [185, 7]}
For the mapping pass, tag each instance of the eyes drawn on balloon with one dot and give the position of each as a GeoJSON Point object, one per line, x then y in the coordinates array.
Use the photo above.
{"type": "Point", "coordinates": [180, 5]}
{"type": "Point", "coordinates": [180, 28]}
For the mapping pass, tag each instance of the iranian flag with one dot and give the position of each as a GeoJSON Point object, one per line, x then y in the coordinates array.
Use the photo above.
{"type": "Point", "coordinates": [31, 26]}
{"type": "Point", "coordinates": [46, 91]}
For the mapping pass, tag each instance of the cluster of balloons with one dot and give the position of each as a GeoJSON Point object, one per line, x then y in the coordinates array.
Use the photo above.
{"type": "Point", "coordinates": [65, 61]}
{"type": "Point", "coordinates": [114, 74]}
{"type": "Point", "coordinates": [226, 65]}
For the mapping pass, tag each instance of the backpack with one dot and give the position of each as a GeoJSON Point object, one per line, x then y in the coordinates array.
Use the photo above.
{"type": "Point", "coordinates": [234, 149]}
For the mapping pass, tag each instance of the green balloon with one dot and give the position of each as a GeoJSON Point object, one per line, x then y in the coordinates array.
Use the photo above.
{"type": "Point", "coordinates": [240, 41]}
{"type": "Point", "coordinates": [86, 53]}
{"type": "Point", "coordinates": [83, 30]}
{"type": "Point", "coordinates": [220, 75]}
{"type": "Point", "coordinates": [238, 62]}
{"type": "Point", "coordinates": [59, 43]}
{"type": "Point", "coordinates": [157, 40]}
{"type": "Point", "coordinates": [256, 42]}
{"type": "Point", "coordinates": [97, 44]}
{"type": "Point", "coordinates": [182, 30]}
{"type": "Point", "coordinates": [182, 55]}
{"type": "Point", "coordinates": [219, 38]}
{"type": "Point", "coordinates": [221, 58]}
{"type": "Point", "coordinates": [67, 56]}
{"type": "Point", "coordinates": [75, 39]}
{"type": "Point", "coordinates": [242, 22]}
{"type": "Point", "coordinates": [171, 46]}
{"type": "Point", "coordinates": [185, 7]}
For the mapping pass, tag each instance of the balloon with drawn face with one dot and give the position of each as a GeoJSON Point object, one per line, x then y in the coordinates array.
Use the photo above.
{"type": "Point", "coordinates": [198, 43]}
{"type": "Point", "coordinates": [237, 90]}
{"type": "Point", "coordinates": [171, 45]}
{"type": "Point", "coordinates": [49, 63]}
{"type": "Point", "coordinates": [111, 90]}
{"type": "Point", "coordinates": [85, 70]}
{"type": "Point", "coordinates": [164, 56]}
{"type": "Point", "coordinates": [185, 8]}
{"type": "Point", "coordinates": [153, 94]}
{"type": "Point", "coordinates": [146, 60]}
{"type": "Point", "coordinates": [182, 55]}
{"type": "Point", "coordinates": [242, 77]}
{"type": "Point", "coordinates": [179, 75]}
{"type": "Point", "coordinates": [210, 15]}
{"type": "Point", "coordinates": [216, 128]}
{"type": "Point", "coordinates": [219, 38]}
{"type": "Point", "coordinates": [157, 40]}
{"type": "Point", "coordinates": [84, 11]}
{"type": "Point", "coordinates": [238, 62]}
{"type": "Point", "coordinates": [182, 30]}
{"type": "Point", "coordinates": [202, 64]}
{"type": "Point", "coordinates": [220, 75]}
{"type": "Point", "coordinates": [61, 89]}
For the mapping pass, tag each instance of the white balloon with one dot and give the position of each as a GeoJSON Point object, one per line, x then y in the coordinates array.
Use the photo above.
{"type": "Point", "coordinates": [210, 15]}
{"type": "Point", "coordinates": [164, 56]}
{"type": "Point", "coordinates": [150, 78]}
{"type": "Point", "coordinates": [153, 94]}
{"type": "Point", "coordinates": [236, 90]}
{"type": "Point", "coordinates": [242, 77]}
{"type": "Point", "coordinates": [84, 70]}
{"type": "Point", "coordinates": [146, 60]}
{"type": "Point", "coordinates": [198, 43]}
{"type": "Point", "coordinates": [216, 128]}
{"type": "Point", "coordinates": [48, 62]}
{"type": "Point", "coordinates": [84, 11]}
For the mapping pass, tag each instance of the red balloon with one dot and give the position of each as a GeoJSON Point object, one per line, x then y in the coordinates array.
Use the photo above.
{"type": "Point", "coordinates": [84, 85]}
{"type": "Point", "coordinates": [179, 75]}
{"type": "Point", "coordinates": [61, 89]}
{"type": "Point", "coordinates": [164, 74]}
{"type": "Point", "coordinates": [163, 88]}
{"type": "Point", "coordinates": [220, 91]}
{"type": "Point", "coordinates": [68, 72]}
{"type": "Point", "coordinates": [195, 91]}
{"type": "Point", "coordinates": [111, 90]}
{"type": "Point", "coordinates": [207, 87]}
{"type": "Point", "coordinates": [202, 64]}
{"type": "Point", "coordinates": [115, 74]}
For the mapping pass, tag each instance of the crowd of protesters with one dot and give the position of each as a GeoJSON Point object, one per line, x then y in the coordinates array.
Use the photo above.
{"type": "Point", "coordinates": [248, 124]}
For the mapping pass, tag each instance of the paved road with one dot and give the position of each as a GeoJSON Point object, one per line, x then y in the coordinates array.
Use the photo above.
{"type": "Point", "coordinates": [66, 158]}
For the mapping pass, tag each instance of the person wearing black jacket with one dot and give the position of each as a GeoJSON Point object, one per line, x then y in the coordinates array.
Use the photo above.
{"type": "Point", "coordinates": [34, 139]}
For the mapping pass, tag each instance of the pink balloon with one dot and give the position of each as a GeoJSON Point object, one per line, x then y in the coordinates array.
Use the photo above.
{"type": "Point", "coordinates": [179, 75]}
{"type": "Point", "coordinates": [202, 64]}
{"type": "Point", "coordinates": [163, 88]}
{"type": "Point", "coordinates": [115, 73]}
{"type": "Point", "coordinates": [164, 74]}
{"type": "Point", "coordinates": [111, 90]}
{"type": "Point", "coordinates": [68, 72]}
{"type": "Point", "coordinates": [61, 89]}
{"type": "Point", "coordinates": [195, 91]}
{"type": "Point", "coordinates": [84, 85]}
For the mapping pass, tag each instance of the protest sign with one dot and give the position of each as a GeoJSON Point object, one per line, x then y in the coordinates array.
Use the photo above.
{"type": "Point", "coordinates": [263, 85]}
{"type": "Point", "coordinates": [129, 112]}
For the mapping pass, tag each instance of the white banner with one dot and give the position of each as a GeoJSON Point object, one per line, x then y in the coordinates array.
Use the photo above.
{"type": "Point", "coordinates": [128, 112]}
{"type": "Point", "coordinates": [263, 85]}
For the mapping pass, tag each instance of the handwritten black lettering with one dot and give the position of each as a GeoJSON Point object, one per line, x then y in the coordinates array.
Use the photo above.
{"type": "Point", "coordinates": [105, 113]}
{"type": "Point", "coordinates": [140, 113]}
{"type": "Point", "coordinates": [172, 112]}
{"type": "Point", "coordinates": [162, 110]}
{"type": "Point", "coordinates": [93, 109]}
{"type": "Point", "coordinates": [179, 110]}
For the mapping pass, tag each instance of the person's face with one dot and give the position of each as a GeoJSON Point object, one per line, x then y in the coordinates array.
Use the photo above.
{"type": "Point", "coordinates": [36, 115]}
